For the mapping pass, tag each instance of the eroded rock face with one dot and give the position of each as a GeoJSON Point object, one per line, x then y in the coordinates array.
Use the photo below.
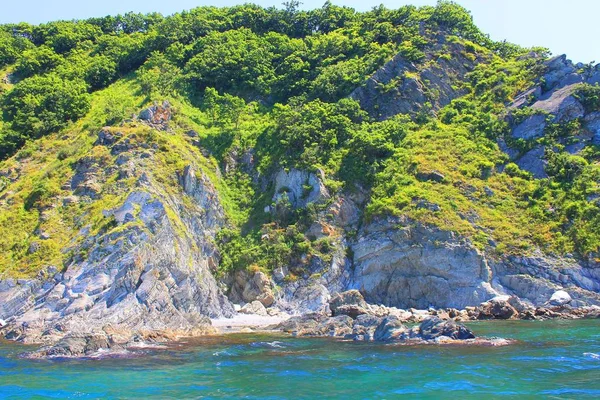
{"type": "Point", "coordinates": [553, 100]}
{"type": "Point", "coordinates": [411, 266]}
{"type": "Point", "coordinates": [146, 273]}
{"type": "Point", "coordinates": [300, 187]}
{"type": "Point", "coordinates": [403, 264]}
{"type": "Point", "coordinates": [405, 87]}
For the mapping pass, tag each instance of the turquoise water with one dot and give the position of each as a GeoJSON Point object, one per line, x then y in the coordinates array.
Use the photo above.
{"type": "Point", "coordinates": [554, 359]}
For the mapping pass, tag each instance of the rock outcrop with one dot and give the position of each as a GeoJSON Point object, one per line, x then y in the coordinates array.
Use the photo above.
{"type": "Point", "coordinates": [404, 264]}
{"type": "Point", "coordinates": [300, 187]}
{"type": "Point", "coordinates": [387, 329]}
{"type": "Point", "coordinates": [553, 100]}
{"type": "Point", "coordinates": [403, 86]}
{"type": "Point", "coordinates": [146, 271]}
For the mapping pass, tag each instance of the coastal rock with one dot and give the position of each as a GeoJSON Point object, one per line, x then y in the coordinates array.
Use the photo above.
{"type": "Point", "coordinates": [350, 297]}
{"type": "Point", "coordinates": [400, 264]}
{"type": "Point", "coordinates": [139, 275]}
{"type": "Point", "coordinates": [255, 307]}
{"type": "Point", "coordinates": [390, 328]}
{"type": "Point", "coordinates": [432, 328]}
{"type": "Point", "coordinates": [560, 298]}
{"type": "Point", "coordinates": [246, 287]}
{"type": "Point", "coordinates": [497, 308]}
{"type": "Point", "coordinates": [371, 328]}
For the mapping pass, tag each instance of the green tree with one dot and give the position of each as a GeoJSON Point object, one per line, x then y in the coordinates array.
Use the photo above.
{"type": "Point", "coordinates": [44, 104]}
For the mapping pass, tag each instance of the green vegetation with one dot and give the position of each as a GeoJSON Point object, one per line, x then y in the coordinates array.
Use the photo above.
{"type": "Point", "coordinates": [272, 85]}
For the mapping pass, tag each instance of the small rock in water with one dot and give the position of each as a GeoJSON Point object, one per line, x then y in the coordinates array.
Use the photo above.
{"type": "Point", "coordinates": [434, 327]}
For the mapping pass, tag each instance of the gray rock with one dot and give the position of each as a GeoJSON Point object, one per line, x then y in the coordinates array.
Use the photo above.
{"type": "Point", "coordinates": [433, 328]}
{"type": "Point", "coordinates": [404, 87]}
{"type": "Point", "coordinates": [592, 123]}
{"type": "Point", "coordinates": [533, 161]}
{"type": "Point", "coordinates": [348, 298]}
{"type": "Point", "coordinates": [145, 276]}
{"type": "Point", "coordinates": [562, 104]}
{"type": "Point", "coordinates": [497, 308]}
{"type": "Point", "coordinates": [301, 187]}
{"type": "Point", "coordinates": [255, 307]}
{"type": "Point", "coordinates": [531, 128]}
{"type": "Point", "coordinates": [557, 69]}
{"type": "Point", "coordinates": [560, 298]}
{"type": "Point", "coordinates": [106, 137]}
{"type": "Point", "coordinates": [157, 116]}
{"type": "Point", "coordinates": [390, 328]}
{"type": "Point", "coordinates": [246, 287]}
{"type": "Point", "coordinates": [434, 176]}
{"type": "Point", "coordinates": [405, 266]}
{"type": "Point", "coordinates": [512, 153]}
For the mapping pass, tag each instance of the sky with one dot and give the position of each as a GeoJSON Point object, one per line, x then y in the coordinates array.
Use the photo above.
{"type": "Point", "coordinates": [564, 26]}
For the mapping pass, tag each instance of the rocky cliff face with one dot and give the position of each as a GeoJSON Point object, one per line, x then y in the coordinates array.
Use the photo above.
{"type": "Point", "coordinates": [405, 264]}
{"type": "Point", "coordinates": [553, 100]}
{"type": "Point", "coordinates": [149, 269]}
{"type": "Point", "coordinates": [402, 86]}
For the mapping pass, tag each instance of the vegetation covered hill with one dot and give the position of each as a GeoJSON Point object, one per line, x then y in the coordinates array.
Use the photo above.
{"type": "Point", "coordinates": [404, 109]}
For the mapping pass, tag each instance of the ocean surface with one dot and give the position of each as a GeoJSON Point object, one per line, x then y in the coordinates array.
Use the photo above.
{"type": "Point", "coordinates": [553, 359]}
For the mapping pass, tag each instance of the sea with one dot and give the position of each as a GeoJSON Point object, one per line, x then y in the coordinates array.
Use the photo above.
{"type": "Point", "coordinates": [549, 360]}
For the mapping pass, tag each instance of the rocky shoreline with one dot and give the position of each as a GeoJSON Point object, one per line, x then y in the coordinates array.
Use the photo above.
{"type": "Point", "coordinates": [347, 317]}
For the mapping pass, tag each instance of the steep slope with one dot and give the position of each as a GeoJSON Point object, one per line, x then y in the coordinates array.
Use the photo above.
{"type": "Point", "coordinates": [146, 265]}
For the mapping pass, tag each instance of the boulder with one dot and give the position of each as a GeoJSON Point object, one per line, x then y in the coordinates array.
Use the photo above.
{"type": "Point", "coordinates": [351, 310]}
{"type": "Point", "coordinates": [106, 137]}
{"type": "Point", "coordinates": [497, 308]}
{"type": "Point", "coordinates": [157, 116]}
{"type": "Point", "coordinates": [434, 176]}
{"type": "Point", "coordinates": [533, 161]}
{"type": "Point", "coordinates": [248, 286]}
{"type": "Point", "coordinates": [434, 327]}
{"type": "Point", "coordinates": [256, 307]}
{"type": "Point", "coordinates": [348, 303]}
{"type": "Point", "coordinates": [560, 298]}
{"type": "Point", "coordinates": [390, 328]}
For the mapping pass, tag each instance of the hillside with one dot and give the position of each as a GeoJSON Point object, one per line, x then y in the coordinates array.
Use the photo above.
{"type": "Point", "coordinates": [156, 169]}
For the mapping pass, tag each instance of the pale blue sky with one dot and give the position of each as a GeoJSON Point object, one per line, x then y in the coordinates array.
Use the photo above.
{"type": "Point", "coordinates": [564, 26]}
